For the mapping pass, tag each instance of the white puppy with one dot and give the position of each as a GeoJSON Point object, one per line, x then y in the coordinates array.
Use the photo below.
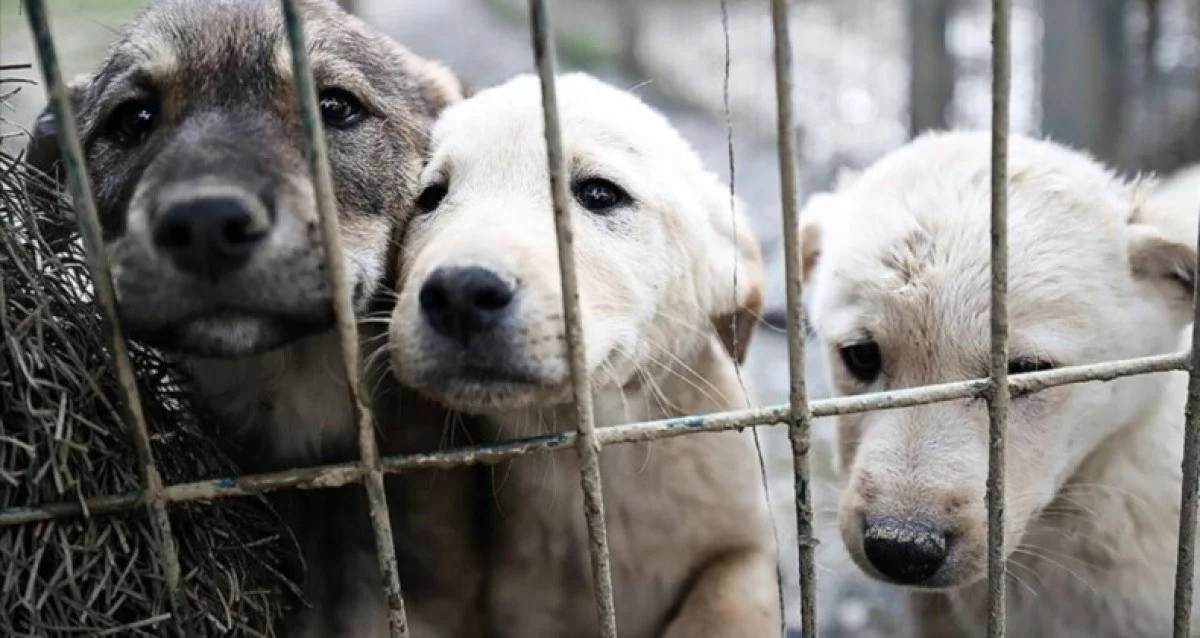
{"type": "Point", "coordinates": [898, 270]}
{"type": "Point", "coordinates": [665, 267]}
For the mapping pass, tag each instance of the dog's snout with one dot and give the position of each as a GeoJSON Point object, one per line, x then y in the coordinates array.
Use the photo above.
{"type": "Point", "coordinates": [461, 302]}
{"type": "Point", "coordinates": [209, 237]}
{"type": "Point", "coordinates": [906, 552]}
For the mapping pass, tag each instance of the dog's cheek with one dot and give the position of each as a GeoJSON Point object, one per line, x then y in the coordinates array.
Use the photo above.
{"type": "Point", "coordinates": [849, 430]}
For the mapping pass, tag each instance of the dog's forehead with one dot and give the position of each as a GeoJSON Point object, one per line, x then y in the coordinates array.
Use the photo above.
{"type": "Point", "coordinates": [909, 250]}
{"type": "Point", "coordinates": [217, 46]}
{"type": "Point", "coordinates": [178, 36]}
{"type": "Point", "coordinates": [596, 120]}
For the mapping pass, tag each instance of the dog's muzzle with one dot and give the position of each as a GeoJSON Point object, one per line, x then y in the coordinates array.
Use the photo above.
{"type": "Point", "coordinates": [905, 552]}
{"type": "Point", "coordinates": [463, 304]}
{"type": "Point", "coordinates": [210, 235]}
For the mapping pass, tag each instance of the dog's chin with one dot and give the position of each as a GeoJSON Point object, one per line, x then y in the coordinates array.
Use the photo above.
{"type": "Point", "coordinates": [483, 389]}
{"type": "Point", "coordinates": [227, 334]}
{"type": "Point", "coordinates": [494, 395]}
{"type": "Point", "coordinates": [948, 578]}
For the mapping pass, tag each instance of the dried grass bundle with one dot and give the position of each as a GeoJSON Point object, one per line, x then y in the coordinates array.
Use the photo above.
{"type": "Point", "coordinates": [62, 438]}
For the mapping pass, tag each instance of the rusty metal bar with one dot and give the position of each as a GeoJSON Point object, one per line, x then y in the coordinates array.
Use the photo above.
{"type": "Point", "coordinates": [75, 167]}
{"type": "Point", "coordinates": [586, 443]}
{"type": "Point", "coordinates": [1185, 561]}
{"type": "Point", "coordinates": [329, 476]}
{"type": "Point", "coordinates": [799, 419]}
{"type": "Point", "coordinates": [998, 394]}
{"type": "Point", "coordinates": [347, 325]}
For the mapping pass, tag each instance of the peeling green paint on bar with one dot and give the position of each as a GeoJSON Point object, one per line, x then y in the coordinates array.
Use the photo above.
{"type": "Point", "coordinates": [347, 325]}
{"type": "Point", "coordinates": [998, 391]}
{"type": "Point", "coordinates": [1185, 562]}
{"type": "Point", "coordinates": [799, 418]}
{"type": "Point", "coordinates": [75, 167]}
{"type": "Point", "coordinates": [587, 445]}
{"type": "Point", "coordinates": [345, 473]}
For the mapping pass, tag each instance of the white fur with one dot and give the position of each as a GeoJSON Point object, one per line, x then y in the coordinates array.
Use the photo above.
{"type": "Point", "coordinates": [691, 549]}
{"type": "Point", "coordinates": [1093, 470]}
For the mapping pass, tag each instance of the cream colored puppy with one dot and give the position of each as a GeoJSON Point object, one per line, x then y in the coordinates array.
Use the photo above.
{"type": "Point", "coordinates": [898, 271]}
{"type": "Point", "coordinates": [478, 326]}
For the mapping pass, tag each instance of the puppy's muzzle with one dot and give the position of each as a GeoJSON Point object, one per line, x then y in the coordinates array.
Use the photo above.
{"type": "Point", "coordinates": [464, 303]}
{"type": "Point", "coordinates": [904, 551]}
{"type": "Point", "coordinates": [210, 234]}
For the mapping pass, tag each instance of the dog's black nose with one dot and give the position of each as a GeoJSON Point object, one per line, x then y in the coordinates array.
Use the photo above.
{"type": "Point", "coordinates": [906, 552]}
{"type": "Point", "coordinates": [209, 237]}
{"type": "Point", "coordinates": [461, 302]}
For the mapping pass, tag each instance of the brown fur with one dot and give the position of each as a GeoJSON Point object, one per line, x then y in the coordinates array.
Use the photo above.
{"type": "Point", "coordinates": [259, 340]}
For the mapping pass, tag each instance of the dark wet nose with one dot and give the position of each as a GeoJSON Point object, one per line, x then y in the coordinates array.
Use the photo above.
{"type": "Point", "coordinates": [209, 237]}
{"type": "Point", "coordinates": [462, 302]}
{"type": "Point", "coordinates": [906, 552]}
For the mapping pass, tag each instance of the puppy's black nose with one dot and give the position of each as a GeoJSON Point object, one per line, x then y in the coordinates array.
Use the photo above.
{"type": "Point", "coordinates": [461, 302]}
{"type": "Point", "coordinates": [906, 552]}
{"type": "Point", "coordinates": [209, 237]}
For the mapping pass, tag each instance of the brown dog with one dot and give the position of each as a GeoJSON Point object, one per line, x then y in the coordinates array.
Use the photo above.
{"type": "Point", "coordinates": [196, 154]}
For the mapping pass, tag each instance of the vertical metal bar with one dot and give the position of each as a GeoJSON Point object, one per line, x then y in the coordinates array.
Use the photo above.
{"type": "Point", "coordinates": [799, 419]}
{"type": "Point", "coordinates": [347, 325]}
{"type": "Point", "coordinates": [75, 167]}
{"type": "Point", "coordinates": [998, 392]}
{"type": "Point", "coordinates": [1186, 557]}
{"type": "Point", "coordinates": [587, 445]}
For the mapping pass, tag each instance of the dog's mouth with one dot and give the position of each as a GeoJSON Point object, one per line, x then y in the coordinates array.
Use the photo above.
{"type": "Point", "coordinates": [469, 384]}
{"type": "Point", "coordinates": [228, 333]}
{"type": "Point", "coordinates": [243, 316]}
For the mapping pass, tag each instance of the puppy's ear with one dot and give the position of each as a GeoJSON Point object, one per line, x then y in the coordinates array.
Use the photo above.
{"type": "Point", "coordinates": [812, 219]}
{"type": "Point", "coordinates": [734, 255]}
{"type": "Point", "coordinates": [1167, 264]}
{"type": "Point", "coordinates": [42, 152]}
{"type": "Point", "coordinates": [441, 86]}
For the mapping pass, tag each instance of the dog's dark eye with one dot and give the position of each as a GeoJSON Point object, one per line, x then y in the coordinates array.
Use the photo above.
{"type": "Point", "coordinates": [340, 110]}
{"type": "Point", "coordinates": [863, 360]}
{"type": "Point", "coordinates": [432, 197]}
{"type": "Point", "coordinates": [1025, 366]}
{"type": "Point", "coordinates": [132, 122]}
{"type": "Point", "coordinates": [599, 195]}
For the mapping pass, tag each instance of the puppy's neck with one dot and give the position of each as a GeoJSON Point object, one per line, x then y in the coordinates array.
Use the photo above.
{"type": "Point", "coordinates": [704, 382]}
{"type": "Point", "coordinates": [281, 409]}
{"type": "Point", "coordinates": [1115, 502]}
{"type": "Point", "coordinates": [1151, 441]}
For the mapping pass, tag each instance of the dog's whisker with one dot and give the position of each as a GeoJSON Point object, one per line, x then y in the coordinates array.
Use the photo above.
{"type": "Point", "coordinates": [1032, 553]}
{"type": "Point", "coordinates": [1017, 579]}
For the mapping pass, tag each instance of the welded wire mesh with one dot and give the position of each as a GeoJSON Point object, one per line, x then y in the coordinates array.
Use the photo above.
{"type": "Point", "coordinates": [798, 414]}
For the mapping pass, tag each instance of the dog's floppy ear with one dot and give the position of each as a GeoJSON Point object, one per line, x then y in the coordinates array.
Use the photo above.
{"type": "Point", "coordinates": [1167, 264]}
{"type": "Point", "coordinates": [442, 87]}
{"type": "Point", "coordinates": [812, 219]}
{"type": "Point", "coordinates": [1162, 243]}
{"type": "Point", "coordinates": [734, 255]}
{"type": "Point", "coordinates": [42, 152]}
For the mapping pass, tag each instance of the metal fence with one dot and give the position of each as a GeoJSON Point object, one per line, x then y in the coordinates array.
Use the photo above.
{"type": "Point", "coordinates": [798, 414]}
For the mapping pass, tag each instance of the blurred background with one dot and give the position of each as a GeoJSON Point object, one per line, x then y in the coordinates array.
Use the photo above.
{"type": "Point", "coordinates": [1119, 78]}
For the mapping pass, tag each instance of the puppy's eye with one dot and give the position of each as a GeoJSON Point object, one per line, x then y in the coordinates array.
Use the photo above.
{"type": "Point", "coordinates": [132, 122]}
{"type": "Point", "coordinates": [432, 196]}
{"type": "Point", "coordinates": [599, 195]}
{"type": "Point", "coordinates": [864, 360]}
{"type": "Point", "coordinates": [340, 110]}
{"type": "Point", "coordinates": [1025, 366]}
